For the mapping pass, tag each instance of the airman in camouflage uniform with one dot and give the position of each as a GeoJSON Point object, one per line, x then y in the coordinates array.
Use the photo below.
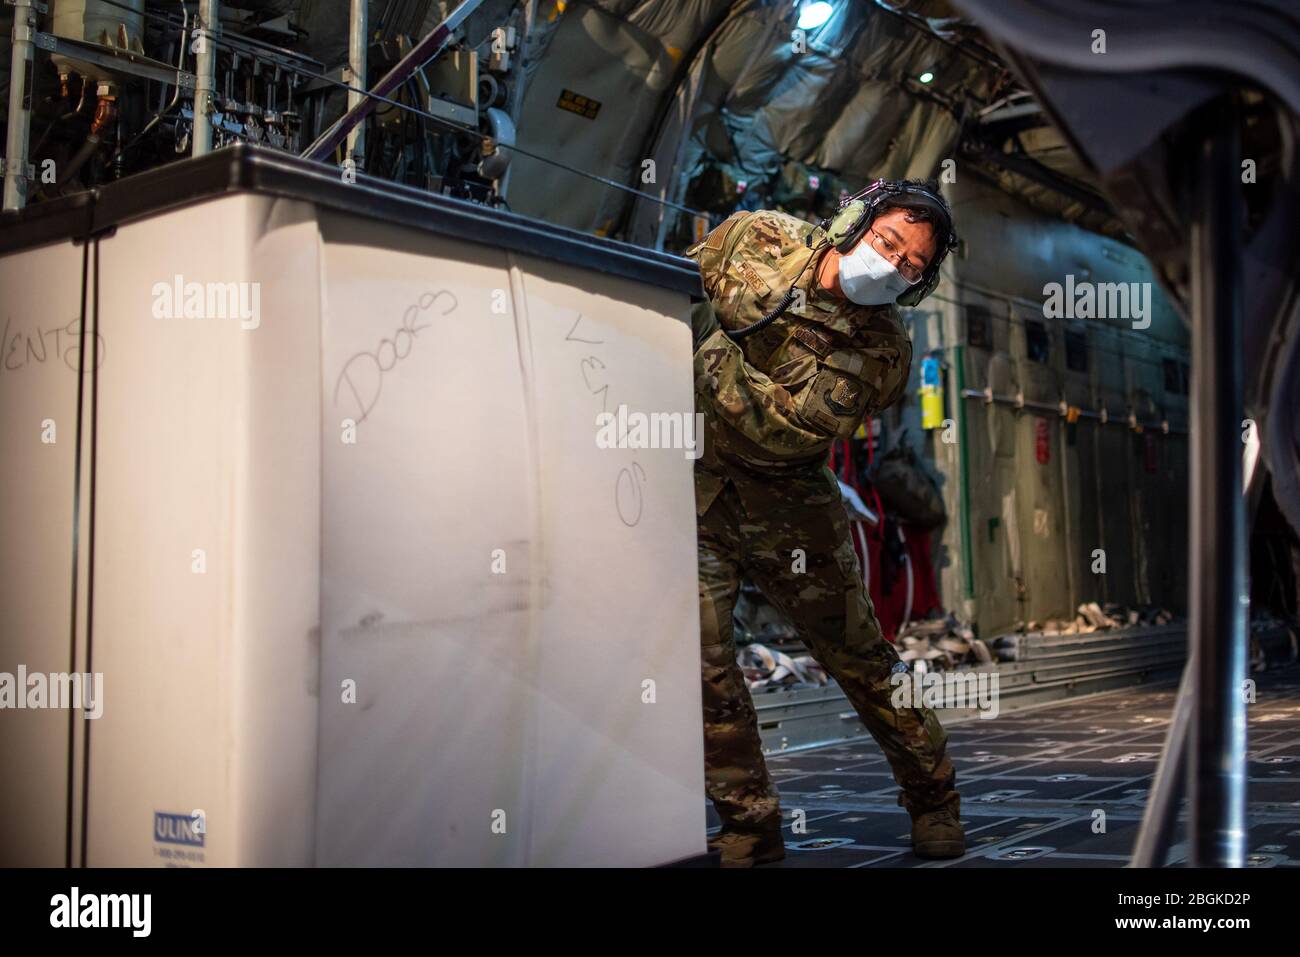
{"type": "Point", "coordinates": [769, 508]}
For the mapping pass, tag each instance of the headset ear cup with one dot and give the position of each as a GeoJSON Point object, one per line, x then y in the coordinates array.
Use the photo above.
{"type": "Point", "coordinates": [846, 222]}
{"type": "Point", "coordinates": [851, 239]}
{"type": "Point", "coordinates": [918, 292]}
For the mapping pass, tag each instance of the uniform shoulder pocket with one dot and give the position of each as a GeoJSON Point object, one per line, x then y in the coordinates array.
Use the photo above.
{"type": "Point", "coordinates": [712, 252]}
{"type": "Point", "coordinates": [717, 236]}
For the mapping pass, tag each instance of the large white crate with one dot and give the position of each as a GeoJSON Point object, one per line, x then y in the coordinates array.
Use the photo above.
{"type": "Point", "coordinates": [333, 554]}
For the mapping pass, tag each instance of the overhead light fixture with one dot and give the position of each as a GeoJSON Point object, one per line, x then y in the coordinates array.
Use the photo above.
{"type": "Point", "coordinates": [813, 15]}
{"type": "Point", "coordinates": [926, 77]}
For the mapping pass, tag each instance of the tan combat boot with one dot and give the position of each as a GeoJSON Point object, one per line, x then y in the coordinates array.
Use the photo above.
{"type": "Point", "coordinates": [747, 848]}
{"type": "Point", "coordinates": [937, 833]}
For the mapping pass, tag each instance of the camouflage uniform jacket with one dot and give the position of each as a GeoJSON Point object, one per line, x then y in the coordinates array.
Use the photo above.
{"type": "Point", "coordinates": [775, 401]}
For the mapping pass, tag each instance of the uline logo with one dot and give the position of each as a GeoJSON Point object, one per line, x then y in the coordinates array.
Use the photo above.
{"type": "Point", "coordinates": [177, 829]}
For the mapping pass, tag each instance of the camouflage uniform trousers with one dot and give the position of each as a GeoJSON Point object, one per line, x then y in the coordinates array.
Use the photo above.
{"type": "Point", "coordinates": [831, 609]}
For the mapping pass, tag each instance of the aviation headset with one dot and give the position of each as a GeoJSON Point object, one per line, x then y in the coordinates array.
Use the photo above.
{"type": "Point", "coordinates": [851, 220]}
{"type": "Point", "coordinates": [857, 213]}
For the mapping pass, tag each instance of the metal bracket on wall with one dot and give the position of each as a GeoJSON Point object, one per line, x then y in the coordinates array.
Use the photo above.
{"type": "Point", "coordinates": [112, 58]}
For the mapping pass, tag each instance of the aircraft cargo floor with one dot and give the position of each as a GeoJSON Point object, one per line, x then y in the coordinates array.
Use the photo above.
{"type": "Point", "coordinates": [1032, 782]}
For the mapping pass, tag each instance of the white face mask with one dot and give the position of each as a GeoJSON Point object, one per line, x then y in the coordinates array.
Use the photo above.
{"type": "Point", "coordinates": [868, 278]}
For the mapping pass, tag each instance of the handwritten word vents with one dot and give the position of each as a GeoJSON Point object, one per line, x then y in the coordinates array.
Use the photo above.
{"type": "Point", "coordinates": [179, 299]}
{"type": "Point", "coordinates": [20, 349]}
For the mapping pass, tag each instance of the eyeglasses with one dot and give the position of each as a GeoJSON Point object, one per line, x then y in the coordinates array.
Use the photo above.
{"type": "Point", "coordinates": [890, 251]}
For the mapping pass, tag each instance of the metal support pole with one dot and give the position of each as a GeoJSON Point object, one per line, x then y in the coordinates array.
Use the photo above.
{"type": "Point", "coordinates": [1217, 546]}
{"type": "Point", "coordinates": [20, 112]}
{"type": "Point", "coordinates": [358, 32]}
{"type": "Point", "coordinates": [1156, 833]}
{"type": "Point", "coordinates": [520, 78]}
{"type": "Point", "coordinates": [1167, 787]}
{"type": "Point", "coordinates": [205, 80]}
{"type": "Point", "coordinates": [419, 55]}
